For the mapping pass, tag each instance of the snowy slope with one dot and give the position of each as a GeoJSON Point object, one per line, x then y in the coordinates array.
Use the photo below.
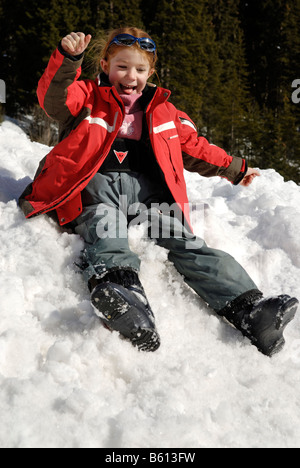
{"type": "Point", "coordinates": [65, 381]}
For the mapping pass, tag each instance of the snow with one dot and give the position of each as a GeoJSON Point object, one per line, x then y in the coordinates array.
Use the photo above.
{"type": "Point", "coordinates": [66, 381]}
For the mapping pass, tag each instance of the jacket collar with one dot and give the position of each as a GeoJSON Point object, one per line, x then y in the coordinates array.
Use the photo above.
{"type": "Point", "coordinates": [103, 80]}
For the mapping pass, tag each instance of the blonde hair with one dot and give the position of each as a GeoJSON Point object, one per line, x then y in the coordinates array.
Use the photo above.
{"type": "Point", "coordinates": [100, 47]}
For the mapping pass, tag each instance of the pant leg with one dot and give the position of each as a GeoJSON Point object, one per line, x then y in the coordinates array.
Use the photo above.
{"type": "Point", "coordinates": [110, 200]}
{"type": "Point", "coordinates": [103, 227]}
{"type": "Point", "coordinates": [215, 275]}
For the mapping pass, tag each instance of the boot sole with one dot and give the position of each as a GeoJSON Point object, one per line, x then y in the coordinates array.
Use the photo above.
{"type": "Point", "coordinates": [129, 320]}
{"type": "Point", "coordinates": [284, 316]}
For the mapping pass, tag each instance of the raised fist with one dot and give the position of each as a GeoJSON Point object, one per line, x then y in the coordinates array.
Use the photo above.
{"type": "Point", "coordinates": [75, 43]}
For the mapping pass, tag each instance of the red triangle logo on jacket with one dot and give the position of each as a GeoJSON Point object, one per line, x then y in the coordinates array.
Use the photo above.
{"type": "Point", "coordinates": [120, 155]}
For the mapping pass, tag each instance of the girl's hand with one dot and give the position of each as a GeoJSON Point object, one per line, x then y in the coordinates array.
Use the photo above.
{"type": "Point", "coordinates": [250, 175]}
{"type": "Point", "coordinates": [75, 43]}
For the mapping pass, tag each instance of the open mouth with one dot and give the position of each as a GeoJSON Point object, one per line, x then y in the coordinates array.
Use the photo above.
{"type": "Point", "coordinates": [127, 88]}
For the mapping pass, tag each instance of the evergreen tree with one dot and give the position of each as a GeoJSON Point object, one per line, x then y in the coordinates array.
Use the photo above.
{"type": "Point", "coordinates": [273, 53]}
{"type": "Point", "coordinates": [185, 39]}
{"type": "Point", "coordinates": [289, 112]}
{"type": "Point", "coordinates": [202, 61]}
{"type": "Point", "coordinates": [9, 17]}
{"type": "Point", "coordinates": [122, 13]}
{"type": "Point", "coordinates": [32, 30]}
{"type": "Point", "coordinates": [231, 103]}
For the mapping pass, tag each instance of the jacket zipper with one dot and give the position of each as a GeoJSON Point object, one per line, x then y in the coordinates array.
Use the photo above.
{"type": "Point", "coordinates": [170, 158]}
{"type": "Point", "coordinates": [173, 167]}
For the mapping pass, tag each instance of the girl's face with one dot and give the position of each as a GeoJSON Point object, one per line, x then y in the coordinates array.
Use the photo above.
{"type": "Point", "coordinates": [128, 70]}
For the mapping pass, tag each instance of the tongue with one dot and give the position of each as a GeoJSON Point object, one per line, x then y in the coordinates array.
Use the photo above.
{"type": "Point", "coordinates": [127, 90]}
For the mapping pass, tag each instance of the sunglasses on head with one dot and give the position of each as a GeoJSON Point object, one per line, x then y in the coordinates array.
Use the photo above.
{"type": "Point", "coordinates": [145, 43]}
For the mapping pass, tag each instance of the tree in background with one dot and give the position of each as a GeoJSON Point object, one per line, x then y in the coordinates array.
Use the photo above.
{"type": "Point", "coordinates": [226, 104]}
{"type": "Point", "coordinates": [184, 36]}
{"type": "Point", "coordinates": [273, 54]}
{"type": "Point", "coordinates": [202, 60]}
{"type": "Point", "coordinates": [31, 31]}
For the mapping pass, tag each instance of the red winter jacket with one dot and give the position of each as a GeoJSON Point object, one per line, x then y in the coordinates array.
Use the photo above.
{"type": "Point", "coordinates": [90, 117]}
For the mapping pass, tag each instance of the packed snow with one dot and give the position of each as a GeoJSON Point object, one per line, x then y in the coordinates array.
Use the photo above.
{"type": "Point", "coordinates": [66, 381]}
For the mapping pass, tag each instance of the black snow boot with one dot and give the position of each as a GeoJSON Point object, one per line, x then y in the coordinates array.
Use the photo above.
{"type": "Point", "coordinates": [262, 320]}
{"type": "Point", "coordinates": [120, 301]}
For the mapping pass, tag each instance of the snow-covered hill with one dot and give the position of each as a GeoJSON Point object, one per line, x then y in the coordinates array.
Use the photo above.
{"type": "Point", "coordinates": [65, 381]}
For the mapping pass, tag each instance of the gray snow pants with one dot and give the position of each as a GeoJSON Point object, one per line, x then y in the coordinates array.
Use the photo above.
{"type": "Point", "coordinates": [113, 200]}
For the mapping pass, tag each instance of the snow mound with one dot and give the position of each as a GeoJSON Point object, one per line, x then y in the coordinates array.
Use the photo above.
{"type": "Point", "coordinates": [65, 381]}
